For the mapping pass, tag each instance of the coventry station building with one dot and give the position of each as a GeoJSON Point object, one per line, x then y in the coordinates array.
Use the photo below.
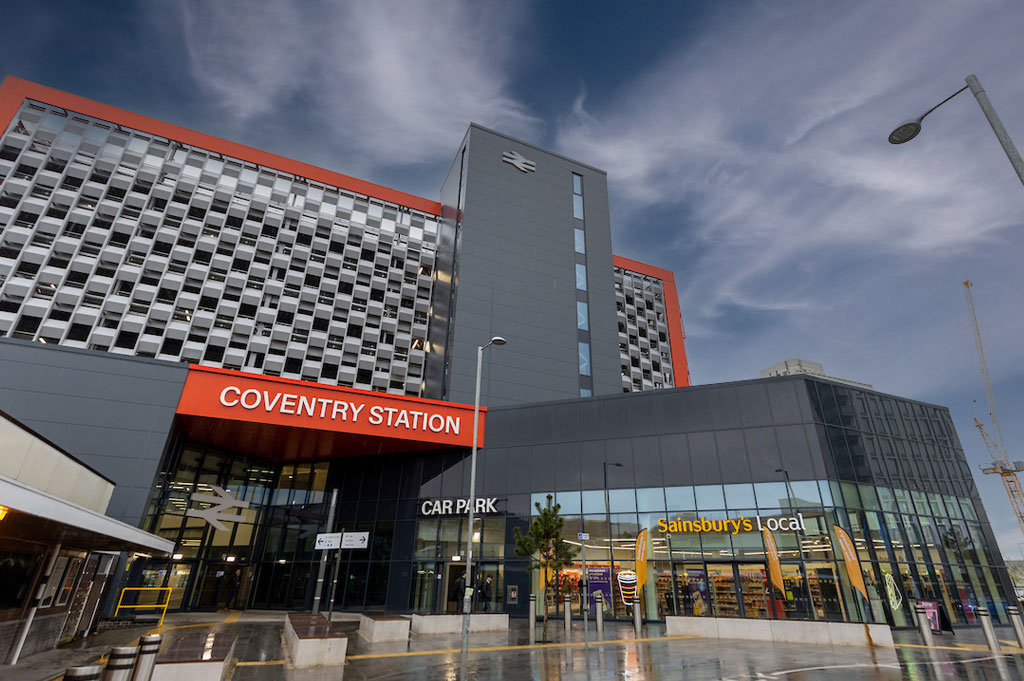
{"type": "Point", "coordinates": [229, 336]}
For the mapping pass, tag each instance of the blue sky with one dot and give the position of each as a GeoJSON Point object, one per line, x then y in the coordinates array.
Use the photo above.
{"type": "Point", "coordinates": [745, 144]}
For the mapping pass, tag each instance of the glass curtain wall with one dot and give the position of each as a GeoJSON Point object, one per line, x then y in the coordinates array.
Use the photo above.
{"type": "Point", "coordinates": [906, 552]}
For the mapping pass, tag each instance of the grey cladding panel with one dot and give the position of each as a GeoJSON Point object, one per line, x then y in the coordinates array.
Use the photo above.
{"type": "Point", "coordinates": [517, 277]}
{"type": "Point", "coordinates": [113, 413]}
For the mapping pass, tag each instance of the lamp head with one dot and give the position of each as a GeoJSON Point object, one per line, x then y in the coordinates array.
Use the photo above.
{"type": "Point", "coordinates": [498, 340]}
{"type": "Point", "coordinates": [615, 463]}
{"type": "Point", "coordinates": [905, 131]}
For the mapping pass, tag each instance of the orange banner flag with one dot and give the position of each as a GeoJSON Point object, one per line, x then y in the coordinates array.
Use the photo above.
{"type": "Point", "coordinates": [851, 561]}
{"type": "Point", "coordinates": [640, 553]}
{"type": "Point", "coordinates": [772, 551]}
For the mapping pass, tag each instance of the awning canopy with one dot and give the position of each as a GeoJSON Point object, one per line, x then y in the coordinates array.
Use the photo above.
{"type": "Point", "coordinates": [38, 517]}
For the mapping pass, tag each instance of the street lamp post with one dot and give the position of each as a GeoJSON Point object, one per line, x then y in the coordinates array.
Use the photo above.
{"type": "Point", "coordinates": [607, 514]}
{"type": "Point", "coordinates": [467, 597]}
{"type": "Point", "coordinates": [910, 129]}
{"type": "Point", "coordinates": [607, 508]}
{"type": "Point", "coordinates": [789, 485]}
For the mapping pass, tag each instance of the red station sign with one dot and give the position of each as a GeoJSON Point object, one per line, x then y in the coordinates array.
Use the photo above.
{"type": "Point", "coordinates": [213, 399]}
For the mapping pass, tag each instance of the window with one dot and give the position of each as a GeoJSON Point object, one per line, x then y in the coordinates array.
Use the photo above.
{"type": "Point", "coordinates": [126, 339]}
{"type": "Point", "coordinates": [584, 352]}
{"type": "Point", "coordinates": [582, 317]}
{"type": "Point", "coordinates": [581, 277]}
{"type": "Point", "coordinates": [577, 196]}
{"type": "Point", "coordinates": [171, 346]}
{"type": "Point", "coordinates": [580, 240]}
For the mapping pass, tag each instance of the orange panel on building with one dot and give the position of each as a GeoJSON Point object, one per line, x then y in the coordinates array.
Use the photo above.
{"type": "Point", "coordinates": [217, 404]}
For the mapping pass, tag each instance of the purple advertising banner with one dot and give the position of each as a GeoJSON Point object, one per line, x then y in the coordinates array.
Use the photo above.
{"type": "Point", "coordinates": [599, 579]}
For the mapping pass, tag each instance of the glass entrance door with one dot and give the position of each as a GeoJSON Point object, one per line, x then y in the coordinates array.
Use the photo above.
{"type": "Point", "coordinates": [454, 587]}
{"type": "Point", "coordinates": [755, 595]}
{"type": "Point", "coordinates": [725, 601]}
{"type": "Point", "coordinates": [692, 589]}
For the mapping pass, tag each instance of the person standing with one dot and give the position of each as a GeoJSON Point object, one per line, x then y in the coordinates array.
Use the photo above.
{"type": "Point", "coordinates": [460, 591]}
{"type": "Point", "coordinates": [484, 594]}
{"type": "Point", "coordinates": [234, 583]}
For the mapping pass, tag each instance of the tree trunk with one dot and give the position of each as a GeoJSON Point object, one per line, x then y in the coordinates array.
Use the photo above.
{"type": "Point", "coordinates": [547, 583]}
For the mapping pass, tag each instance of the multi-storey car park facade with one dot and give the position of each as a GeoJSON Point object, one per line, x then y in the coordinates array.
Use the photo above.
{"type": "Point", "coordinates": [337, 322]}
{"type": "Point", "coordinates": [650, 327]}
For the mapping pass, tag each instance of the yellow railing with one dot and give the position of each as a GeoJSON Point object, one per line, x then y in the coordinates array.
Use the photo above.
{"type": "Point", "coordinates": [162, 606]}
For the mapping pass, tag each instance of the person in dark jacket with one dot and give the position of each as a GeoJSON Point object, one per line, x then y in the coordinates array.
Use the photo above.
{"type": "Point", "coordinates": [234, 582]}
{"type": "Point", "coordinates": [459, 592]}
{"type": "Point", "coordinates": [484, 594]}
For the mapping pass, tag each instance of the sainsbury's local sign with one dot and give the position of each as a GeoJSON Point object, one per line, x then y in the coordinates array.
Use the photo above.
{"type": "Point", "coordinates": [233, 395]}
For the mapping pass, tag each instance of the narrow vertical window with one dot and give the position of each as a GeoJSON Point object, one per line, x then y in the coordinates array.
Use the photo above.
{"type": "Point", "coordinates": [577, 196]}
{"type": "Point", "coordinates": [581, 276]}
{"type": "Point", "coordinates": [582, 318]}
{"type": "Point", "coordinates": [580, 240]}
{"type": "Point", "coordinates": [584, 349]}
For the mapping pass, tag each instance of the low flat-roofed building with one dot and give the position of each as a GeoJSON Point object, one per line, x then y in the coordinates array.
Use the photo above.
{"type": "Point", "coordinates": [57, 546]}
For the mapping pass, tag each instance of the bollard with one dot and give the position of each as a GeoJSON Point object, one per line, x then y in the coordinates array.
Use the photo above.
{"type": "Point", "coordinates": [567, 612]}
{"type": "Point", "coordinates": [637, 622]}
{"type": "Point", "coordinates": [149, 646]}
{"type": "Point", "coordinates": [533, 618]}
{"type": "Point", "coordinates": [985, 617]}
{"type": "Point", "coordinates": [90, 672]}
{"type": "Point", "coordinates": [121, 663]}
{"type": "Point", "coordinates": [923, 625]}
{"type": "Point", "coordinates": [599, 613]}
{"type": "Point", "coordinates": [1018, 626]}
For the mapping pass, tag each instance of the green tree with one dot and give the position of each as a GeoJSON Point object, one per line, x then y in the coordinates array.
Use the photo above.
{"type": "Point", "coordinates": [543, 543]}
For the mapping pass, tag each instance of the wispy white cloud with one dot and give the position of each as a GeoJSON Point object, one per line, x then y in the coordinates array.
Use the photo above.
{"type": "Point", "coordinates": [769, 134]}
{"type": "Point", "coordinates": [390, 82]}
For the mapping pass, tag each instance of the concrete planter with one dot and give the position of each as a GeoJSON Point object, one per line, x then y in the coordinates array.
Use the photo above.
{"type": "Point", "coordinates": [782, 631]}
{"type": "Point", "coordinates": [384, 627]}
{"type": "Point", "coordinates": [309, 648]}
{"type": "Point", "coordinates": [452, 624]}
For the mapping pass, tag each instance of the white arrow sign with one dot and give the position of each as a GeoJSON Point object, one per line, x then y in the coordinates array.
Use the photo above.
{"type": "Point", "coordinates": [355, 540]}
{"type": "Point", "coordinates": [328, 540]}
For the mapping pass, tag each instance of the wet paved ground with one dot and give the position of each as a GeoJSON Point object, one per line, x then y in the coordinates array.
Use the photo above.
{"type": "Point", "coordinates": [261, 656]}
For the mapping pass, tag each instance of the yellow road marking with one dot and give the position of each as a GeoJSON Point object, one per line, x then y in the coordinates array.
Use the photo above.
{"type": "Point", "coordinates": [572, 644]}
{"type": "Point", "coordinates": [231, 617]}
{"type": "Point", "coordinates": [974, 647]}
{"type": "Point", "coordinates": [255, 663]}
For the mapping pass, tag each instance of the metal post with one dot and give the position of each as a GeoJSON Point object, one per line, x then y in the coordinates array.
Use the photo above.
{"type": "Point", "coordinates": [599, 613]}
{"type": "Point", "coordinates": [567, 614]}
{"type": "Point", "coordinates": [585, 596]}
{"type": "Point", "coordinates": [90, 672]}
{"type": "Point", "coordinates": [985, 617]}
{"type": "Point", "coordinates": [334, 585]}
{"type": "Point", "coordinates": [997, 126]}
{"type": "Point", "coordinates": [43, 583]}
{"type": "Point", "coordinates": [923, 625]}
{"type": "Point", "coordinates": [637, 621]}
{"type": "Point", "coordinates": [1018, 627]}
{"type": "Point", "coordinates": [149, 646]}
{"type": "Point", "coordinates": [533, 618]}
{"type": "Point", "coordinates": [467, 599]}
{"type": "Point", "coordinates": [323, 554]}
{"type": "Point", "coordinates": [121, 663]}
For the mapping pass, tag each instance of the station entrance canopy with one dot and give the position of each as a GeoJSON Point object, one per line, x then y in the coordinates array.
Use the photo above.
{"type": "Point", "coordinates": [288, 420]}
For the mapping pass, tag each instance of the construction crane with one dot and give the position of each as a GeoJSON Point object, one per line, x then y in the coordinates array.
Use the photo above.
{"type": "Point", "coordinates": [1001, 464]}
